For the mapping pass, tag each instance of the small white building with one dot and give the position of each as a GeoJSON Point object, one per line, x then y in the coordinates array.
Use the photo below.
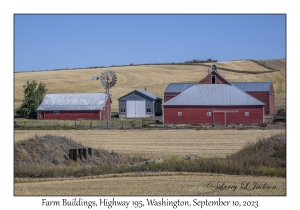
{"type": "Point", "coordinates": [139, 104]}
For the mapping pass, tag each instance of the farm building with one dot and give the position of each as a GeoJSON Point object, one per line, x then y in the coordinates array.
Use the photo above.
{"type": "Point", "coordinates": [139, 104]}
{"type": "Point", "coordinates": [213, 100]}
{"type": "Point", "coordinates": [75, 106]}
{"type": "Point", "coordinates": [262, 91]}
{"type": "Point", "coordinates": [207, 103]}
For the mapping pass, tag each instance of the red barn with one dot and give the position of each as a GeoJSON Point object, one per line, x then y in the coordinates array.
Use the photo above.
{"type": "Point", "coordinates": [262, 91]}
{"type": "Point", "coordinates": [75, 106]}
{"type": "Point", "coordinates": [213, 100]}
{"type": "Point", "coordinates": [213, 103]}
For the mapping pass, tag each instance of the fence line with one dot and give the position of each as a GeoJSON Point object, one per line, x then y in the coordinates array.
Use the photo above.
{"type": "Point", "coordinates": [84, 124]}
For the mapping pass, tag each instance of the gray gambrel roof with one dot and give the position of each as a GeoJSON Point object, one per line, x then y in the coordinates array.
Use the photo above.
{"type": "Point", "coordinates": [253, 86]}
{"type": "Point", "coordinates": [213, 95]}
{"type": "Point", "coordinates": [178, 87]}
{"type": "Point", "coordinates": [73, 101]}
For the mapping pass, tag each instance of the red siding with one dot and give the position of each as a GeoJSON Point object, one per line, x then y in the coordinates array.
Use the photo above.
{"type": "Point", "coordinates": [272, 106]}
{"type": "Point", "coordinates": [272, 101]}
{"type": "Point", "coordinates": [219, 79]}
{"type": "Point", "coordinates": [105, 113]}
{"type": "Point", "coordinates": [199, 115]}
{"type": "Point", "coordinates": [219, 117]}
{"type": "Point", "coordinates": [71, 115]}
{"type": "Point", "coordinates": [266, 98]}
{"type": "Point", "coordinates": [169, 96]}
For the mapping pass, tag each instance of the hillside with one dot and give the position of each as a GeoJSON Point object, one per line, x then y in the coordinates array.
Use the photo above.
{"type": "Point", "coordinates": [156, 78]}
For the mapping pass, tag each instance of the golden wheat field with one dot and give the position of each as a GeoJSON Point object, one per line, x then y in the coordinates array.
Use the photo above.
{"type": "Point", "coordinates": [153, 77]}
{"type": "Point", "coordinates": [159, 183]}
{"type": "Point", "coordinates": [160, 143]}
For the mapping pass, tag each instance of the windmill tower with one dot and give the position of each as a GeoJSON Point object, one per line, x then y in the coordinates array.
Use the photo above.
{"type": "Point", "coordinates": [107, 79]}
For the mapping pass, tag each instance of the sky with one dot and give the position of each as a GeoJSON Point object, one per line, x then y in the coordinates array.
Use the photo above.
{"type": "Point", "coordinates": [61, 41]}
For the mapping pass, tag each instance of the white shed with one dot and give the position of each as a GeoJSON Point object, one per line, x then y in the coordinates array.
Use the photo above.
{"type": "Point", "coordinates": [139, 104]}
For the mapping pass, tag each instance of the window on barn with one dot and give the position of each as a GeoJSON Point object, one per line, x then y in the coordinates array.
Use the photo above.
{"type": "Point", "coordinates": [246, 113]}
{"type": "Point", "coordinates": [213, 79]}
{"type": "Point", "coordinates": [148, 110]}
{"type": "Point", "coordinates": [56, 112]}
{"type": "Point", "coordinates": [179, 113]}
{"type": "Point", "coordinates": [208, 113]}
{"type": "Point", "coordinates": [122, 110]}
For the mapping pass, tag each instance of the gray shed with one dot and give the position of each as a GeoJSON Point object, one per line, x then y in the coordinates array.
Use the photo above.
{"type": "Point", "coordinates": [139, 104]}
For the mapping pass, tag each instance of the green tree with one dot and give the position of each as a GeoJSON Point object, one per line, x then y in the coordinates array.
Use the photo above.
{"type": "Point", "coordinates": [33, 96]}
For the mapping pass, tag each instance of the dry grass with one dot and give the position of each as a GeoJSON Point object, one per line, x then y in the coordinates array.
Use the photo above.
{"type": "Point", "coordinates": [164, 183]}
{"type": "Point", "coordinates": [153, 77]}
{"type": "Point", "coordinates": [160, 143]}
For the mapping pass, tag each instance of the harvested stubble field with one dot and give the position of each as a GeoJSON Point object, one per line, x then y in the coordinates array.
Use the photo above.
{"type": "Point", "coordinates": [160, 143]}
{"type": "Point", "coordinates": [160, 183]}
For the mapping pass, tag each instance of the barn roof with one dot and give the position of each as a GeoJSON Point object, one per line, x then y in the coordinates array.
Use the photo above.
{"type": "Point", "coordinates": [143, 94]}
{"type": "Point", "coordinates": [213, 95]}
{"type": "Point", "coordinates": [74, 101]}
{"type": "Point", "coordinates": [149, 94]}
{"type": "Point", "coordinates": [178, 87]}
{"type": "Point", "coordinates": [253, 86]}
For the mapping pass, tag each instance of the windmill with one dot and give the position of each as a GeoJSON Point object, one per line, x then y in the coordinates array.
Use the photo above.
{"type": "Point", "coordinates": [108, 79]}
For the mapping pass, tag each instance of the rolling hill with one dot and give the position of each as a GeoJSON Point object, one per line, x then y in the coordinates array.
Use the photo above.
{"type": "Point", "coordinates": [156, 77]}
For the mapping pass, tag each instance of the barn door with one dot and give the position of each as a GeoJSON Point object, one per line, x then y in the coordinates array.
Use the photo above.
{"type": "Point", "coordinates": [42, 115]}
{"type": "Point", "coordinates": [224, 116]}
{"type": "Point", "coordinates": [140, 108]}
{"type": "Point", "coordinates": [219, 117]}
{"type": "Point", "coordinates": [130, 106]}
{"type": "Point", "coordinates": [135, 109]}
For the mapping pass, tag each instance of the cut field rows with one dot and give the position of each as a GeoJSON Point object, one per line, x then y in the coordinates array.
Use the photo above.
{"type": "Point", "coordinates": [160, 143]}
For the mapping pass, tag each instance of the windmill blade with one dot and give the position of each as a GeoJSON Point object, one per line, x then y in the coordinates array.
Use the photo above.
{"type": "Point", "coordinates": [108, 79]}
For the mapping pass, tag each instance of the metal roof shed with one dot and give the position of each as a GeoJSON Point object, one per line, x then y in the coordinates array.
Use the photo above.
{"type": "Point", "coordinates": [139, 104]}
{"type": "Point", "coordinates": [73, 106]}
